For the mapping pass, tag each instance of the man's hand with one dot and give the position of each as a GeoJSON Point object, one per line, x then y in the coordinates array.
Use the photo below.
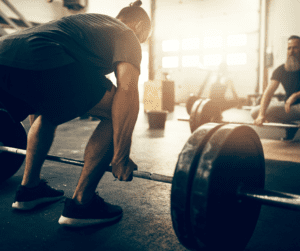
{"type": "Point", "coordinates": [291, 100]}
{"type": "Point", "coordinates": [260, 120]}
{"type": "Point", "coordinates": [124, 172]}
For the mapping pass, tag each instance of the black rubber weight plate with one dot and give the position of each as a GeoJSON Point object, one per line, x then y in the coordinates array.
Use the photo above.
{"type": "Point", "coordinates": [182, 180]}
{"type": "Point", "coordinates": [13, 135]}
{"type": "Point", "coordinates": [190, 102]}
{"type": "Point", "coordinates": [207, 111]}
{"type": "Point", "coordinates": [231, 158]}
{"type": "Point", "coordinates": [193, 115]}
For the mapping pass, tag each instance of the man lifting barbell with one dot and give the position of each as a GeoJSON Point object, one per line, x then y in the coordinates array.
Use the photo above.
{"type": "Point", "coordinates": [289, 75]}
{"type": "Point", "coordinates": [56, 72]}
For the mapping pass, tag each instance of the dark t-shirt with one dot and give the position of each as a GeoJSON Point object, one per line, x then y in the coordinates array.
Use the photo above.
{"type": "Point", "coordinates": [289, 80]}
{"type": "Point", "coordinates": [92, 39]}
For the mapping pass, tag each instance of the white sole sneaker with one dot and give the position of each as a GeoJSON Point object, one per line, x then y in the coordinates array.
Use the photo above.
{"type": "Point", "coordinates": [70, 222]}
{"type": "Point", "coordinates": [27, 205]}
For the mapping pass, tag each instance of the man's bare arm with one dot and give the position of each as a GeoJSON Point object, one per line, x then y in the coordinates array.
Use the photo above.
{"type": "Point", "coordinates": [125, 111]}
{"type": "Point", "coordinates": [291, 100]}
{"type": "Point", "coordinates": [265, 101]}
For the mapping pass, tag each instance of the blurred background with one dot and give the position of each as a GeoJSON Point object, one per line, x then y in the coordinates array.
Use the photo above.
{"type": "Point", "coordinates": [190, 38]}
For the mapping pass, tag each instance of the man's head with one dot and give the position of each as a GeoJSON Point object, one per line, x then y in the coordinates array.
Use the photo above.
{"type": "Point", "coordinates": [137, 19]}
{"type": "Point", "coordinates": [293, 54]}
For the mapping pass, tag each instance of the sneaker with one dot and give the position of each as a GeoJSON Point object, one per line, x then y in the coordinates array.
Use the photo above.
{"type": "Point", "coordinates": [28, 198]}
{"type": "Point", "coordinates": [97, 211]}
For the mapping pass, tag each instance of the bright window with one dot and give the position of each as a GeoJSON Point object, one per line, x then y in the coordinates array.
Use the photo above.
{"type": "Point", "coordinates": [170, 62]}
{"type": "Point", "coordinates": [190, 61]}
{"type": "Point", "coordinates": [170, 45]}
{"type": "Point", "coordinates": [190, 44]}
{"type": "Point", "coordinates": [213, 42]}
{"type": "Point", "coordinates": [237, 59]}
{"type": "Point", "coordinates": [211, 60]}
{"type": "Point", "coordinates": [237, 40]}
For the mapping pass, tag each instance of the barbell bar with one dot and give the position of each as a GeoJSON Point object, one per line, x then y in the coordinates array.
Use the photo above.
{"type": "Point", "coordinates": [139, 174]}
{"type": "Point", "coordinates": [207, 110]}
{"type": "Point", "coordinates": [271, 198]}
{"type": "Point", "coordinates": [271, 124]}
{"type": "Point", "coordinates": [218, 182]}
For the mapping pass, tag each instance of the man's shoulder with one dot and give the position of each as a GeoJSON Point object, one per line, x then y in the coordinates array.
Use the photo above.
{"type": "Point", "coordinates": [279, 73]}
{"type": "Point", "coordinates": [280, 68]}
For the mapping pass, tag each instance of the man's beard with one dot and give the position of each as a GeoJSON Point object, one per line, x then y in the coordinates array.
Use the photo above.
{"type": "Point", "coordinates": [292, 64]}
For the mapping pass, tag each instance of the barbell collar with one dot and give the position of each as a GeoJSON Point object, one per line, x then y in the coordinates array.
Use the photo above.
{"type": "Point", "coordinates": [138, 174]}
{"type": "Point", "coordinates": [270, 198]}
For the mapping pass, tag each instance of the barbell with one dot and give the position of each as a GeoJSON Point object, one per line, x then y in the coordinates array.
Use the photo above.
{"type": "Point", "coordinates": [217, 188]}
{"type": "Point", "coordinates": [206, 110]}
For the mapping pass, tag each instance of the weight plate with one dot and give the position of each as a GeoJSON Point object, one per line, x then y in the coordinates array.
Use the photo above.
{"type": "Point", "coordinates": [182, 180]}
{"type": "Point", "coordinates": [193, 125]}
{"type": "Point", "coordinates": [233, 157]}
{"type": "Point", "coordinates": [190, 102]}
{"type": "Point", "coordinates": [14, 135]}
{"type": "Point", "coordinates": [208, 111]}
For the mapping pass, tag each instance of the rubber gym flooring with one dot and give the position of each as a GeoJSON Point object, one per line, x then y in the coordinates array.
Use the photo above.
{"type": "Point", "coordinates": [146, 223]}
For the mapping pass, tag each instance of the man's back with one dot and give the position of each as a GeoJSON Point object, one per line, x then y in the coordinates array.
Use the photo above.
{"type": "Point", "coordinates": [93, 39]}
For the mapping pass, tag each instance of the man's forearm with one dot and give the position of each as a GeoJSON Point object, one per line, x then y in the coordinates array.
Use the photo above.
{"type": "Point", "coordinates": [297, 95]}
{"type": "Point", "coordinates": [125, 111]}
{"type": "Point", "coordinates": [265, 101]}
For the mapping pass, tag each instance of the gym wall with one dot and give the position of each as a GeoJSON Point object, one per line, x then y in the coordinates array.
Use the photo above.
{"type": "Point", "coordinates": [218, 30]}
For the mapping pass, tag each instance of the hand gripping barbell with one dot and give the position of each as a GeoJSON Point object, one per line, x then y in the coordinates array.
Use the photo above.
{"type": "Point", "coordinates": [217, 188]}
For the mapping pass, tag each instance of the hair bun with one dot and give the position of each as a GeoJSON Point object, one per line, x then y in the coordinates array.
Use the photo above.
{"type": "Point", "coordinates": [137, 3]}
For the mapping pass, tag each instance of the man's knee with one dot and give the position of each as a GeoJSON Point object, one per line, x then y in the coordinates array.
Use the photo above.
{"type": "Point", "coordinates": [41, 121]}
{"type": "Point", "coordinates": [254, 112]}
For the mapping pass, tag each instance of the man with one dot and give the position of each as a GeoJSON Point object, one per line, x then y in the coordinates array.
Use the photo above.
{"type": "Point", "coordinates": [288, 75]}
{"type": "Point", "coordinates": [56, 72]}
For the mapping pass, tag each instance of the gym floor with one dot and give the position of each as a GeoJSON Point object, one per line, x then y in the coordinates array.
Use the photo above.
{"type": "Point", "coordinates": [146, 223]}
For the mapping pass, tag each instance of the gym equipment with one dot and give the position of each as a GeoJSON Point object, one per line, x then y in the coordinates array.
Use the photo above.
{"type": "Point", "coordinates": [232, 159]}
{"type": "Point", "coordinates": [140, 174]}
{"type": "Point", "coordinates": [190, 102]}
{"type": "Point", "coordinates": [12, 134]}
{"type": "Point", "coordinates": [192, 98]}
{"type": "Point", "coordinates": [182, 180]}
{"type": "Point", "coordinates": [208, 111]}
{"type": "Point", "coordinates": [217, 188]}
{"type": "Point", "coordinates": [223, 104]}
{"type": "Point", "coordinates": [193, 115]}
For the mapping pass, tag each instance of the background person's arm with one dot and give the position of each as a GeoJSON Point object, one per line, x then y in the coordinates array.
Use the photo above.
{"type": "Point", "coordinates": [125, 111]}
{"type": "Point", "coordinates": [265, 101]}
{"type": "Point", "coordinates": [291, 100]}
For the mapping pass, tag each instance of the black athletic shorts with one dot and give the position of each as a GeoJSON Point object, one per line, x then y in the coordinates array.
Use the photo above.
{"type": "Point", "coordinates": [60, 94]}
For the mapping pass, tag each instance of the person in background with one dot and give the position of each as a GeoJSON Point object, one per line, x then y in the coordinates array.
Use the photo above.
{"type": "Point", "coordinates": [288, 74]}
{"type": "Point", "coordinates": [219, 89]}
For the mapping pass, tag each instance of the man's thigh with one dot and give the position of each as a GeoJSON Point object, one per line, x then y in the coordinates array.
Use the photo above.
{"type": "Point", "coordinates": [277, 113]}
{"type": "Point", "coordinates": [295, 112]}
{"type": "Point", "coordinates": [60, 94]}
{"type": "Point", "coordinates": [104, 107]}
{"type": "Point", "coordinates": [274, 113]}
